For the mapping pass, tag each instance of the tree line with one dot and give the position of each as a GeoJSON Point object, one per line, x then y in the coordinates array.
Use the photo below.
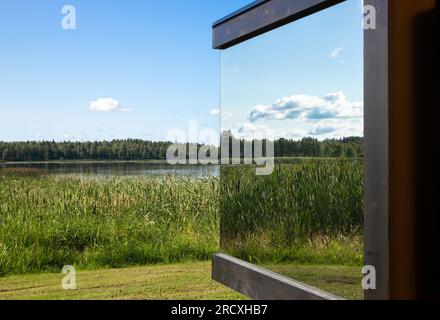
{"type": "Point", "coordinates": [99, 150]}
{"type": "Point", "coordinates": [132, 149]}
{"type": "Point", "coordinates": [350, 147]}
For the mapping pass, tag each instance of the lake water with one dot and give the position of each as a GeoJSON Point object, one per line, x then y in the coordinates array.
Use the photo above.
{"type": "Point", "coordinates": [119, 168]}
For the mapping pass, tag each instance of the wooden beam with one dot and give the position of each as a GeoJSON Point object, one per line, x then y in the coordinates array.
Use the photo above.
{"type": "Point", "coordinates": [260, 284]}
{"type": "Point", "coordinates": [263, 16]}
{"type": "Point", "coordinates": [401, 112]}
{"type": "Point", "coordinates": [376, 150]}
{"type": "Point", "coordinates": [401, 128]}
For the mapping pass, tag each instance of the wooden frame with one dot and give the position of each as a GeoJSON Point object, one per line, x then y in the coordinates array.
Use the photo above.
{"type": "Point", "coordinates": [262, 16]}
{"type": "Point", "coordinates": [401, 219]}
{"type": "Point", "coordinates": [262, 284]}
{"type": "Point", "coordinates": [376, 132]}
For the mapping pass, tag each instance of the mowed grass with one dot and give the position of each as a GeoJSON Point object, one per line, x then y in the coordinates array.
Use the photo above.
{"type": "Point", "coordinates": [47, 222]}
{"type": "Point", "coordinates": [187, 281]}
{"type": "Point", "coordinates": [340, 280]}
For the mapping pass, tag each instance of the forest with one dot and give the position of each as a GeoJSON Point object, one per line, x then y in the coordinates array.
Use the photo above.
{"type": "Point", "coordinates": [133, 149]}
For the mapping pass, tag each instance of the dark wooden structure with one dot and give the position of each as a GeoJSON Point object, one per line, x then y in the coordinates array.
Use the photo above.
{"type": "Point", "coordinates": [402, 214]}
{"type": "Point", "coordinates": [262, 284]}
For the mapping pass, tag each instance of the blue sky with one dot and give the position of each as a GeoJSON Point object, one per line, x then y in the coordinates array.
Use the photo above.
{"type": "Point", "coordinates": [304, 79]}
{"type": "Point", "coordinates": [154, 60]}
{"type": "Point", "coordinates": [153, 57]}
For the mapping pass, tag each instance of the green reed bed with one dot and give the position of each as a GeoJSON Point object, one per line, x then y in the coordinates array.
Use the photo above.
{"type": "Point", "coordinates": [310, 211]}
{"type": "Point", "coordinates": [47, 222]}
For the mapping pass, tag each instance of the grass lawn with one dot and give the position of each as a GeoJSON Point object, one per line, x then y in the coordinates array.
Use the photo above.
{"type": "Point", "coordinates": [343, 281]}
{"type": "Point", "coordinates": [47, 222]}
{"type": "Point", "coordinates": [178, 281]}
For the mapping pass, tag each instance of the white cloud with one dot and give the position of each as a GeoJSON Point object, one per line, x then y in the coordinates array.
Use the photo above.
{"type": "Point", "coordinates": [107, 105]}
{"type": "Point", "coordinates": [332, 128]}
{"type": "Point", "coordinates": [308, 108]}
{"type": "Point", "coordinates": [250, 131]}
{"type": "Point", "coordinates": [214, 112]}
{"type": "Point", "coordinates": [331, 116]}
{"type": "Point", "coordinates": [336, 52]}
{"type": "Point", "coordinates": [323, 129]}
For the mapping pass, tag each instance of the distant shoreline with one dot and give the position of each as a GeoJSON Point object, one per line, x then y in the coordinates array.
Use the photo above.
{"type": "Point", "coordinates": [278, 160]}
{"type": "Point", "coordinates": [158, 161]}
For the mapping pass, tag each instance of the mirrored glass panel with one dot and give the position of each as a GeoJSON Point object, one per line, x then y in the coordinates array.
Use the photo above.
{"type": "Point", "coordinates": [297, 93]}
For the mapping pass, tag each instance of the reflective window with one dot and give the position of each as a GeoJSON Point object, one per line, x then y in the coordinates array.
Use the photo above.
{"type": "Point", "coordinates": [300, 87]}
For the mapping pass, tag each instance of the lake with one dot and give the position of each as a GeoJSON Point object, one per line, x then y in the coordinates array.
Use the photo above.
{"type": "Point", "coordinates": [118, 168]}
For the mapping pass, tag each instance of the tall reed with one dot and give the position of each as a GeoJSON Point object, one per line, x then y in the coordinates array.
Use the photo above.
{"type": "Point", "coordinates": [297, 204]}
{"type": "Point", "coordinates": [47, 222]}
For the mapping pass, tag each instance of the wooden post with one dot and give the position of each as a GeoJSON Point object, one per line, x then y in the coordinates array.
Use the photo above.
{"type": "Point", "coordinates": [413, 217]}
{"type": "Point", "coordinates": [402, 212]}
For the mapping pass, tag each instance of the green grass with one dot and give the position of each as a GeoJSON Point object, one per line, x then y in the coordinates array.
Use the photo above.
{"type": "Point", "coordinates": [341, 280]}
{"type": "Point", "coordinates": [47, 222]}
{"type": "Point", "coordinates": [304, 221]}
{"type": "Point", "coordinates": [178, 281]}
{"type": "Point", "coordinates": [259, 249]}
{"type": "Point", "coordinates": [307, 212]}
